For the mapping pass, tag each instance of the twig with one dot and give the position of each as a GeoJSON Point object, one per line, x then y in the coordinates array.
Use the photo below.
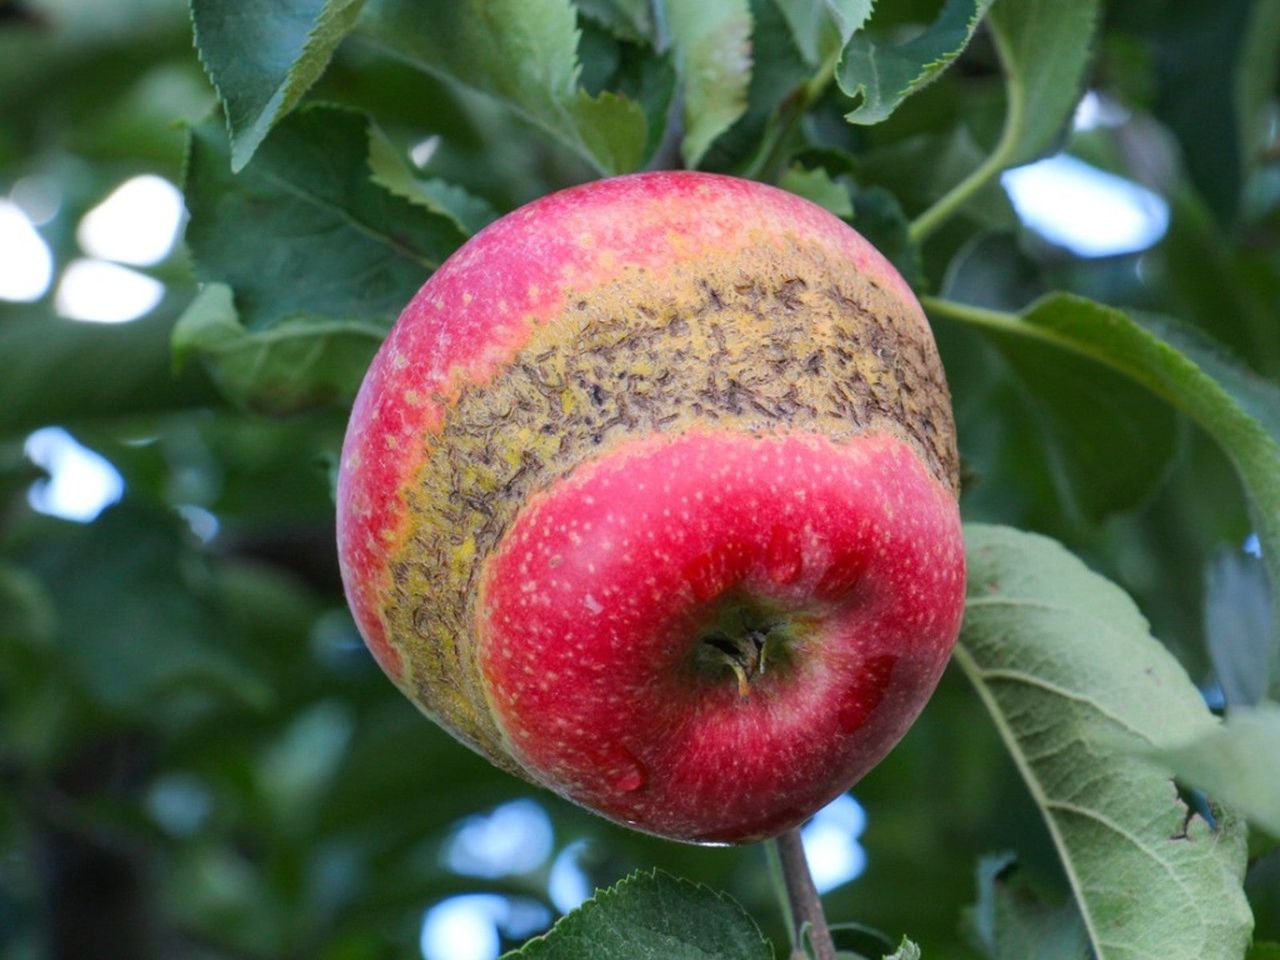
{"type": "Point", "coordinates": [803, 906]}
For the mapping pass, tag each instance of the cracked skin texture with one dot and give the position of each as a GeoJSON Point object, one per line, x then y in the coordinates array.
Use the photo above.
{"type": "Point", "coordinates": [617, 323]}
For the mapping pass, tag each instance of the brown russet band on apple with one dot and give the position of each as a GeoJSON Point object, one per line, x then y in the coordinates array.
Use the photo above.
{"type": "Point", "coordinates": [762, 339]}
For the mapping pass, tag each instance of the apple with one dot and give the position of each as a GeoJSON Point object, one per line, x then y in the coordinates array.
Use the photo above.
{"type": "Point", "coordinates": [650, 498]}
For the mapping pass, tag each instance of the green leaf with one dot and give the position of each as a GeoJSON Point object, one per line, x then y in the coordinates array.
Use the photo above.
{"type": "Point", "coordinates": [1107, 441]}
{"type": "Point", "coordinates": [992, 270]}
{"type": "Point", "coordinates": [1256, 77]}
{"type": "Point", "coordinates": [27, 613]}
{"type": "Point", "coordinates": [883, 75]}
{"type": "Point", "coordinates": [750, 147]}
{"type": "Point", "coordinates": [1010, 922]}
{"type": "Point", "coordinates": [906, 951]}
{"type": "Point", "coordinates": [821, 28]}
{"type": "Point", "coordinates": [328, 239]}
{"type": "Point", "coordinates": [1238, 612]}
{"type": "Point", "coordinates": [817, 185]}
{"type": "Point", "coordinates": [264, 58]}
{"type": "Point", "coordinates": [878, 216]}
{"type": "Point", "coordinates": [1237, 763]}
{"type": "Point", "coordinates": [712, 41]}
{"type": "Point", "coordinates": [1202, 383]}
{"type": "Point", "coordinates": [1256, 395]}
{"type": "Point", "coordinates": [1264, 951]}
{"type": "Point", "coordinates": [1237, 408]}
{"type": "Point", "coordinates": [922, 169]}
{"type": "Point", "coordinates": [1199, 93]}
{"type": "Point", "coordinates": [471, 213]}
{"type": "Point", "coordinates": [115, 370]}
{"type": "Point", "coordinates": [294, 771]}
{"type": "Point", "coordinates": [292, 319]}
{"type": "Point", "coordinates": [389, 169]}
{"type": "Point", "coordinates": [523, 52]}
{"type": "Point", "coordinates": [136, 618]}
{"type": "Point", "coordinates": [1215, 284]}
{"type": "Point", "coordinates": [1044, 48]}
{"type": "Point", "coordinates": [858, 941]}
{"type": "Point", "coordinates": [1063, 662]}
{"type": "Point", "coordinates": [292, 366]}
{"type": "Point", "coordinates": [626, 19]}
{"type": "Point", "coordinates": [652, 916]}
{"type": "Point", "coordinates": [634, 71]}
{"type": "Point", "coordinates": [613, 130]}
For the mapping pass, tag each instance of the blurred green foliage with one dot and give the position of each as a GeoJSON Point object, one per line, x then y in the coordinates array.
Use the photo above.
{"type": "Point", "coordinates": [198, 759]}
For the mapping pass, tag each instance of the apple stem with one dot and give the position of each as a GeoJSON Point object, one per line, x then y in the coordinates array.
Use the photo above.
{"type": "Point", "coordinates": [801, 904]}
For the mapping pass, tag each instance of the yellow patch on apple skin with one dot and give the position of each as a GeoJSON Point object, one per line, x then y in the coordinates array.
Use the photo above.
{"type": "Point", "coordinates": [779, 336]}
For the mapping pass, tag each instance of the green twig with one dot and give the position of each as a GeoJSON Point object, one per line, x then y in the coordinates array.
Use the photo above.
{"type": "Point", "coordinates": [999, 159]}
{"type": "Point", "coordinates": [1001, 321]}
{"type": "Point", "coordinates": [955, 198]}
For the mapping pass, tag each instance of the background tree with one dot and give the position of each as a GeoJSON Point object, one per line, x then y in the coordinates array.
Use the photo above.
{"type": "Point", "coordinates": [198, 757]}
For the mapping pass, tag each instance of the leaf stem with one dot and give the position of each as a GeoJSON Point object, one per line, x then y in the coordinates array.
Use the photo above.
{"type": "Point", "coordinates": [786, 120]}
{"type": "Point", "coordinates": [1165, 371]}
{"type": "Point", "coordinates": [955, 198]}
{"type": "Point", "coordinates": [801, 905]}
{"type": "Point", "coordinates": [1001, 321]}
{"type": "Point", "coordinates": [999, 158]}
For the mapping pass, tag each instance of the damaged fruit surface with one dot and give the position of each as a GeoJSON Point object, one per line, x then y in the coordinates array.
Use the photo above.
{"type": "Point", "coordinates": [650, 497]}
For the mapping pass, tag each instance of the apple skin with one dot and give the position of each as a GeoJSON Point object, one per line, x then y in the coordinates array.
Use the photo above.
{"type": "Point", "coordinates": [650, 498]}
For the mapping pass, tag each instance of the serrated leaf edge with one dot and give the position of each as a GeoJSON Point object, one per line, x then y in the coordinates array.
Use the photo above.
{"type": "Point", "coordinates": [245, 144]}
{"type": "Point", "coordinates": [864, 114]}
{"type": "Point", "coordinates": [602, 893]}
{"type": "Point", "coordinates": [977, 676]}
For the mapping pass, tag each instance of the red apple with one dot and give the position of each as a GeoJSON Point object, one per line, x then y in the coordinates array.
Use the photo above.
{"type": "Point", "coordinates": [650, 497]}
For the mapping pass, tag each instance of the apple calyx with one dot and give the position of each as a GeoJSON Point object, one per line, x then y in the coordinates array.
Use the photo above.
{"type": "Point", "coordinates": [745, 656]}
{"type": "Point", "coordinates": [745, 635]}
